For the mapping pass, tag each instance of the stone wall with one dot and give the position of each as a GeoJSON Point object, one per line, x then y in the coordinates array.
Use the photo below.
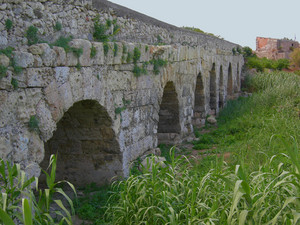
{"type": "Point", "coordinates": [94, 111]}
{"type": "Point", "coordinates": [272, 48]}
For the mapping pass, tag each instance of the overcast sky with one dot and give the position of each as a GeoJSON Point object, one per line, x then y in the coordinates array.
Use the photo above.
{"type": "Point", "coordinates": [238, 21]}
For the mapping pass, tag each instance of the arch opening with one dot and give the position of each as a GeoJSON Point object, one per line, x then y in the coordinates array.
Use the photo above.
{"type": "Point", "coordinates": [237, 87]}
{"type": "Point", "coordinates": [221, 88]}
{"type": "Point", "coordinates": [213, 90]}
{"type": "Point", "coordinates": [199, 106]}
{"type": "Point", "coordinates": [168, 130]}
{"type": "Point", "coordinates": [86, 146]}
{"type": "Point", "coordinates": [229, 81]}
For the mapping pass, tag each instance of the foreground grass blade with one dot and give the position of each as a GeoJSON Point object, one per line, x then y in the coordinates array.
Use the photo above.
{"type": "Point", "coordinates": [27, 216]}
{"type": "Point", "coordinates": [5, 218]}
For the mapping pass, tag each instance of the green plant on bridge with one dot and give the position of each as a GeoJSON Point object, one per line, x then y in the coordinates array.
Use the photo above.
{"type": "Point", "coordinates": [31, 35]}
{"type": "Point", "coordinates": [8, 24]}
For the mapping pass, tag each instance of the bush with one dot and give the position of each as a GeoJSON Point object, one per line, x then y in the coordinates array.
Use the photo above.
{"type": "Point", "coordinates": [18, 202]}
{"type": "Point", "coordinates": [31, 35]}
{"type": "Point", "coordinates": [295, 57]}
{"type": "Point", "coordinates": [8, 24]}
{"type": "Point", "coordinates": [263, 63]}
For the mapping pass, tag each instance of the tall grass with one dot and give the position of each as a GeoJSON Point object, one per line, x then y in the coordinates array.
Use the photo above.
{"type": "Point", "coordinates": [178, 195]}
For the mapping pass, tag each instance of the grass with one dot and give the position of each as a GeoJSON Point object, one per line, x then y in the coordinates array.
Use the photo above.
{"type": "Point", "coordinates": [259, 185]}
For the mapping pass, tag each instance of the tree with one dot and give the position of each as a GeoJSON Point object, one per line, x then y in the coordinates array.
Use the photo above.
{"type": "Point", "coordinates": [295, 57]}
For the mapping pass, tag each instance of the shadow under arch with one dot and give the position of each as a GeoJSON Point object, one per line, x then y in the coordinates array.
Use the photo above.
{"type": "Point", "coordinates": [221, 88]}
{"type": "Point", "coordinates": [168, 131]}
{"type": "Point", "coordinates": [86, 146]}
{"type": "Point", "coordinates": [199, 106]}
{"type": "Point", "coordinates": [237, 86]}
{"type": "Point", "coordinates": [213, 89]}
{"type": "Point", "coordinates": [229, 81]}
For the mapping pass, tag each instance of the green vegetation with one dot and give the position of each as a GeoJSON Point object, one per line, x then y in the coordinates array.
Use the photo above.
{"type": "Point", "coordinates": [14, 83]}
{"type": "Point", "coordinates": [115, 49]}
{"type": "Point", "coordinates": [129, 57]}
{"type": "Point", "coordinates": [105, 48]}
{"type": "Point", "coordinates": [136, 55]}
{"type": "Point", "coordinates": [3, 71]}
{"type": "Point", "coordinates": [119, 110]}
{"type": "Point", "coordinates": [33, 124]}
{"type": "Point", "coordinates": [57, 26]}
{"type": "Point", "coordinates": [8, 24]}
{"type": "Point", "coordinates": [201, 31]}
{"type": "Point", "coordinates": [263, 63]}
{"type": "Point", "coordinates": [31, 35]}
{"type": "Point", "coordinates": [102, 31]}
{"type": "Point", "coordinates": [78, 66]}
{"type": "Point", "coordinates": [8, 51]}
{"type": "Point", "coordinates": [157, 64]}
{"type": "Point", "coordinates": [19, 202]}
{"type": "Point", "coordinates": [64, 43]}
{"type": "Point", "coordinates": [295, 58]}
{"type": "Point", "coordinates": [93, 51]}
{"type": "Point", "coordinates": [259, 184]}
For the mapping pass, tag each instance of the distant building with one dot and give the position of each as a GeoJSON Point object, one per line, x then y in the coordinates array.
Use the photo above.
{"type": "Point", "coordinates": [275, 48]}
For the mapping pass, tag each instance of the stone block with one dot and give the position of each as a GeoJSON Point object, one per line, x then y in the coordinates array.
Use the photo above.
{"type": "Point", "coordinates": [23, 59]}
{"type": "Point", "coordinates": [38, 49]}
{"type": "Point", "coordinates": [61, 75]}
{"type": "Point", "coordinates": [85, 45]}
{"type": "Point", "coordinates": [98, 59]}
{"type": "Point", "coordinates": [54, 101]}
{"type": "Point", "coordinates": [49, 57]}
{"type": "Point", "coordinates": [4, 60]}
{"type": "Point", "coordinates": [39, 77]}
{"type": "Point", "coordinates": [61, 56]}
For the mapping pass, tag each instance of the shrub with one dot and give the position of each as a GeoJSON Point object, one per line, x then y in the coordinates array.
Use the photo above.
{"type": "Point", "coordinates": [105, 48]}
{"type": "Point", "coordinates": [18, 202]}
{"type": "Point", "coordinates": [3, 71]}
{"type": "Point", "coordinates": [136, 55]}
{"type": "Point", "coordinates": [33, 124]}
{"type": "Point", "coordinates": [295, 57]}
{"type": "Point", "coordinates": [14, 83]}
{"type": "Point", "coordinates": [157, 64]}
{"type": "Point", "coordinates": [57, 26]}
{"type": "Point", "coordinates": [8, 24]}
{"type": "Point", "coordinates": [31, 35]}
{"type": "Point", "coordinates": [93, 52]}
{"type": "Point", "coordinates": [115, 49]}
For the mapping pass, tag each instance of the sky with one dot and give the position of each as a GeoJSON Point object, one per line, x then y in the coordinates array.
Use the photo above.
{"type": "Point", "coordinates": [237, 21]}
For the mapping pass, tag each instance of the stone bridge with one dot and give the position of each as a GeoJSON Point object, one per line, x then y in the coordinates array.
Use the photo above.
{"type": "Point", "coordinates": [102, 109]}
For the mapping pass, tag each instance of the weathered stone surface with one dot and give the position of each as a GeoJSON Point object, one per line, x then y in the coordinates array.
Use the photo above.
{"type": "Point", "coordinates": [4, 60]}
{"type": "Point", "coordinates": [211, 119]}
{"type": "Point", "coordinates": [38, 49]}
{"type": "Point", "coordinates": [24, 59]}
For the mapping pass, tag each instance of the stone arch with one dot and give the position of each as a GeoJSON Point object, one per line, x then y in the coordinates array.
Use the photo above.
{"type": "Point", "coordinates": [168, 130]}
{"type": "Point", "coordinates": [213, 89]}
{"type": "Point", "coordinates": [199, 105]}
{"type": "Point", "coordinates": [229, 81]}
{"type": "Point", "coordinates": [86, 145]}
{"type": "Point", "coordinates": [221, 88]}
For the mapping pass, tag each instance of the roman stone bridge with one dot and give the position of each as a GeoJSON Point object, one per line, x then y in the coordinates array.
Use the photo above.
{"type": "Point", "coordinates": [103, 108]}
